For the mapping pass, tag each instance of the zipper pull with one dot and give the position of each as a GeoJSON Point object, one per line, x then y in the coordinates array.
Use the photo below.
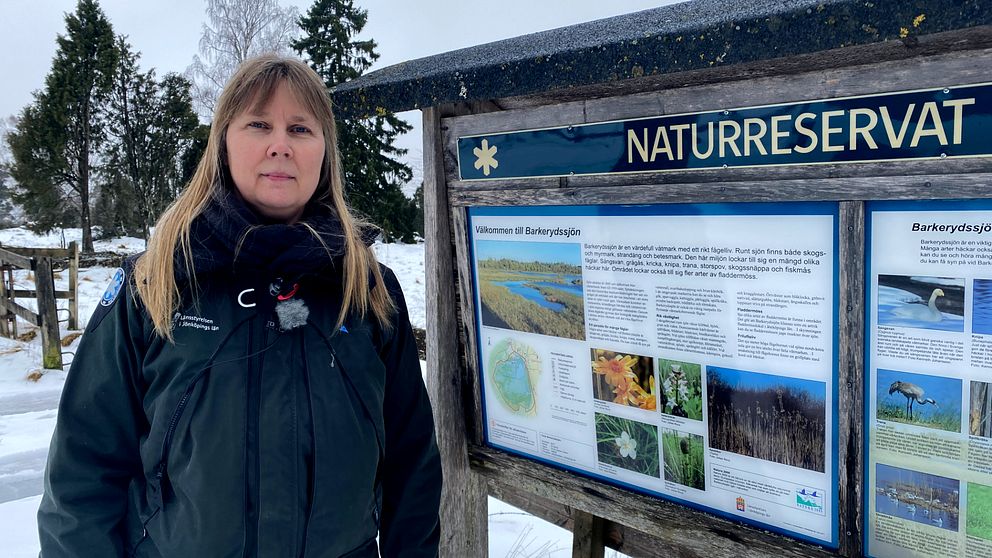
{"type": "Point", "coordinates": [332, 359]}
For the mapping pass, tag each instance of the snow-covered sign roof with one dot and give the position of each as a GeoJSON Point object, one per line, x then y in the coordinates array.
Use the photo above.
{"type": "Point", "coordinates": [694, 35]}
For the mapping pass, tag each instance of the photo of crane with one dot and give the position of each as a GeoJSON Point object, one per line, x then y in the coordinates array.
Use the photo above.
{"type": "Point", "coordinates": [918, 399]}
{"type": "Point", "coordinates": [915, 496]}
{"type": "Point", "coordinates": [921, 302]}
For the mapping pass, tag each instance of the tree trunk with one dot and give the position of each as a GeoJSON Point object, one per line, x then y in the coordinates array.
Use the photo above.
{"type": "Point", "coordinates": [84, 187]}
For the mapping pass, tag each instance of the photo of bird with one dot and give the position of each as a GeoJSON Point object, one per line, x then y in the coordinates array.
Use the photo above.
{"type": "Point", "coordinates": [930, 401]}
{"type": "Point", "coordinates": [913, 394]}
{"type": "Point", "coordinates": [917, 310]}
{"type": "Point", "coordinates": [921, 302]}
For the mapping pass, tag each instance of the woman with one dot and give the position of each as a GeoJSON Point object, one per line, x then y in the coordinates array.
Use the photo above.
{"type": "Point", "coordinates": [250, 385]}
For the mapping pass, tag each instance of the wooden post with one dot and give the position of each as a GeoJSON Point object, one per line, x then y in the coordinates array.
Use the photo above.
{"type": "Point", "coordinates": [10, 296]}
{"type": "Point", "coordinates": [464, 510]}
{"type": "Point", "coordinates": [851, 376]}
{"type": "Point", "coordinates": [587, 535]}
{"type": "Point", "coordinates": [73, 285]}
{"type": "Point", "coordinates": [5, 314]}
{"type": "Point", "coordinates": [51, 346]}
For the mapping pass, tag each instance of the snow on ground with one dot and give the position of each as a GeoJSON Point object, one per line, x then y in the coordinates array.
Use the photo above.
{"type": "Point", "coordinates": [28, 408]}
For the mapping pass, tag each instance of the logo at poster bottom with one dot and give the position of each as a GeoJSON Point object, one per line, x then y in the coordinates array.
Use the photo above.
{"type": "Point", "coordinates": [810, 499]}
{"type": "Point", "coordinates": [741, 506]}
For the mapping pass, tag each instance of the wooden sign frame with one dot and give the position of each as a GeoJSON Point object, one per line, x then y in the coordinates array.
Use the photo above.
{"type": "Point", "coordinates": [452, 336]}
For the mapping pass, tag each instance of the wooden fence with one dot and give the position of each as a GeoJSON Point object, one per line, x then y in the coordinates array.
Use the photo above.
{"type": "Point", "coordinates": [41, 262]}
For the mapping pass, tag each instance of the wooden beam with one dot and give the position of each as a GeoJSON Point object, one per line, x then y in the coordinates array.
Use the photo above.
{"type": "Point", "coordinates": [51, 346]}
{"type": "Point", "coordinates": [31, 293]}
{"type": "Point", "coordinates": [21, 312]}
{"type": "Point", "coordinates": [680, 530]}
{"type": "Point", "coordinates": [850, 366]}
{"type": "Point", "coordinates": [587, 535]}
{"type": "Point", "coordinates": [60, 253]}
{"type": "Point", "coordinates": [73, 285]}
{"type": "Point", "coordinates": [16, 260]}
{"type": "Point", "coordinates": [464, 518]}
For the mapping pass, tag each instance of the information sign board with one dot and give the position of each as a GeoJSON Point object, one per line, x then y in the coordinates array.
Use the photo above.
{"type": "Point", "coordinates": [928, 403]}
{"type": "Point", "coordinates": [685, 351]}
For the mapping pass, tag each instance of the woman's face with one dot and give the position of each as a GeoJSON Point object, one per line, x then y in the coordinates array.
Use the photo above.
{"type": "Point", "coordinates": [275, 156]}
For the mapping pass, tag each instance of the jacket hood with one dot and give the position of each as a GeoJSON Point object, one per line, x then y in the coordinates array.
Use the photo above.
{"type": "Point", "coordinates": [229, 237]}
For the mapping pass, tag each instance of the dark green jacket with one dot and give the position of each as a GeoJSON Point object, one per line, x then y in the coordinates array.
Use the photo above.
{"type": "Point", "coordinates": [242, 439]}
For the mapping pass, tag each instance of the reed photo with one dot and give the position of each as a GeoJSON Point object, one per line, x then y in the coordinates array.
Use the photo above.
{"type": "Point", "coordinates": [535, 287]}
{"type": "Point", "coordinates": [681, 392]}
{"type": "Point", "coordinates": [683, 455]}
{"type": "Point", "coordinates": [624, 379]}
{"type": "Point", "coordinates": [917, 496]}
{"type": "Point", "coordinates": [921, 302]}
{"type": "Point", "coordinates": [775, 418]}
{"type": "Point", "coordinates": [918, 399]}
{"type": "Point", "coordinates": [628, 444]}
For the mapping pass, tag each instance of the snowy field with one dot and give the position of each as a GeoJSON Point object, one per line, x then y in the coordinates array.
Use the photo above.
{"type": "Point", "coordinates": [28, 407]}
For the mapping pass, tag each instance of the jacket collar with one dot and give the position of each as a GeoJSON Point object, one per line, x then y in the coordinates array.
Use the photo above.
{"type": "Point", "coordinates": [228, 237]}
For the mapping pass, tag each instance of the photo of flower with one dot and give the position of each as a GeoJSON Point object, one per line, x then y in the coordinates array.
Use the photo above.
{"type": "Point", "coordinates": [628, 444]}
{"type": "Point", "coordinates": [681, 391]}
{"type": "Point", "coordinates": [623, 379]}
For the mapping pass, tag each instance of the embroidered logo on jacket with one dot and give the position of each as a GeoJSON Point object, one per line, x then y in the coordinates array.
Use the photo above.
{"type": "Point", "coordinates": [113, 289]}
{"type": "Point", "coordinates": [195, 322]}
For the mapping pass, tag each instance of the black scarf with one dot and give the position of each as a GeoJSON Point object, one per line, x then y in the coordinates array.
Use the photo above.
{"type": "Point", "coordinates": [270, 249]}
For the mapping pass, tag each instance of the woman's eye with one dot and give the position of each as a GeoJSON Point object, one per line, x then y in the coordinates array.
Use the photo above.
{"type": "Point", "coordinates": [259, 125]}
{"type": "Point", "coordinates": [300, 130]}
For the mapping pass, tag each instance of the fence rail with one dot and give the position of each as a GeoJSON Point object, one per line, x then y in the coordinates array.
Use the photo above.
{"type": "Point", "coordinates": [39, 261]}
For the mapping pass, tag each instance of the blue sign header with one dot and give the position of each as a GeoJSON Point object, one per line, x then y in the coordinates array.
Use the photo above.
{"type": "Point", "coordinates": [926, 124]}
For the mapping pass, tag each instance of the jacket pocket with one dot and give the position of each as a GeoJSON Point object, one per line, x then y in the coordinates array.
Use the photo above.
{"type": "Point", "coordinates": [368, 549]}
{"type": "Point", "coordinates": [144, 534]}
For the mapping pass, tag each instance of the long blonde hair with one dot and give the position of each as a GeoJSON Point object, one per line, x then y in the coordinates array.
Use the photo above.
{"type": "Point", "coordinates": [252, 85]}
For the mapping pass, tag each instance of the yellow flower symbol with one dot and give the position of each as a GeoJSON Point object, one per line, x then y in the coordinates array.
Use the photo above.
{"type": "Point", "coordinates": [485, 157]}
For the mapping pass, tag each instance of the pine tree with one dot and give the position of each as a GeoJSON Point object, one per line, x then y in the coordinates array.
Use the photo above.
{"type": "Point", "coordinates": [58, 135]}
{"type": "Point", "coordinates": [372, 171]}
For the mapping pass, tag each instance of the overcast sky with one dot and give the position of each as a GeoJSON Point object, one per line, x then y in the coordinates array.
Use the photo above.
{"type": "Point", "coordinates": [167, 32]}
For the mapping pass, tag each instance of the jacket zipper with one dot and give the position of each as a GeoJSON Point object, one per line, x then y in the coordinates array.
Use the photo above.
{"type": "Point", "coordinates": [312, 489]}
{"type": "Point", "coordinates": [252, 470]}
{"type": "Point", "coordinates": [160, 479]}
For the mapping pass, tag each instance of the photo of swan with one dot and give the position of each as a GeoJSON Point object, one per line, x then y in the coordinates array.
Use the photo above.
{"type": "Point", "coordinates": [921, 302]}
{"type": "Point", "coordinates": [918, 399]}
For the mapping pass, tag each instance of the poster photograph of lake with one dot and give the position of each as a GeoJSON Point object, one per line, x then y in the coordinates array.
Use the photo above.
{"type": "Point", "coordinates": [534, 287]}
{"type": "Point", "coordinates": [921, 497]}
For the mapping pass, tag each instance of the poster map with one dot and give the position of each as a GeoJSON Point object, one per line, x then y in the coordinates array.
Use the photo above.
{"type": "Point", "coordinates": [684, 351]}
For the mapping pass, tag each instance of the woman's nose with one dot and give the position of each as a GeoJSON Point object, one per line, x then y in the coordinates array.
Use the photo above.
{"type": "Point", "coordinates": [279, 147]}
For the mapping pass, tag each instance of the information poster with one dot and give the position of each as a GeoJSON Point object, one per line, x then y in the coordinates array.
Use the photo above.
{"type": "Point", "coordinates": [929, 411]}
{"type": "Point", "coordinates": [685, 351]}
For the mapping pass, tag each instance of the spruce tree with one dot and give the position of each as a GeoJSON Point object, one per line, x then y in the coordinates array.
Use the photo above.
{"type": "Point", "coordinates": [372, 171]}
{"type": "Point", "coordinates": [152, 124]}
{"type": "Point", "coordinates": [59, 134]}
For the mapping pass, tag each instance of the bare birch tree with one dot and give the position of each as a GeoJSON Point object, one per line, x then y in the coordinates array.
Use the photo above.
{"type": "Point", "coordinates": [236, 30]}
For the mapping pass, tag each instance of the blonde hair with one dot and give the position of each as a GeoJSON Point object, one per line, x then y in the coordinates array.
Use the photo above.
{"type": "Point", "coordinates": [252, 85]}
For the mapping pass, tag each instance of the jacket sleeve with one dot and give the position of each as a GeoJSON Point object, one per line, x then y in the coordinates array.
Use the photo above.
{"type": "Point", "coordinates": [411, 477]}
{"type": "Point", "coordinates": [94, 450]}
